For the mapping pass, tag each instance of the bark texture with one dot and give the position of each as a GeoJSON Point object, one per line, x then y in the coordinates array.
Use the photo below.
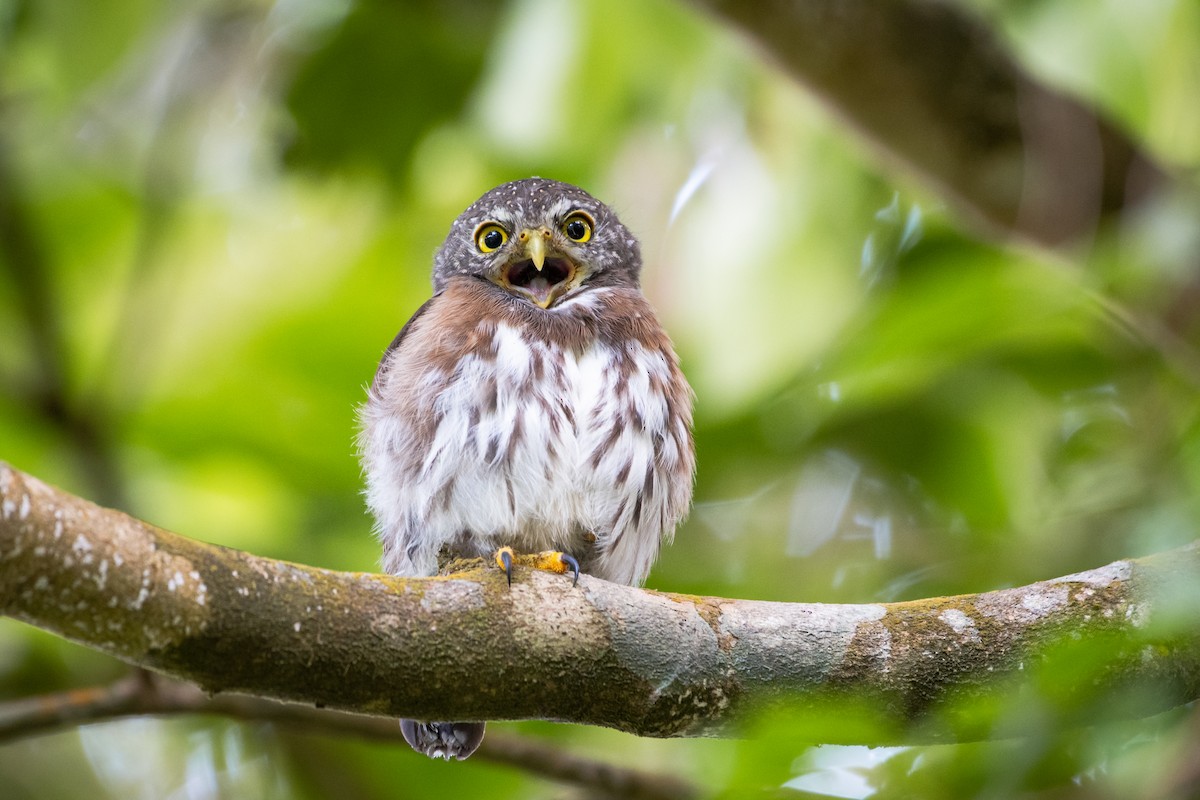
{"type": "Point", "coordinates": [467, 646]}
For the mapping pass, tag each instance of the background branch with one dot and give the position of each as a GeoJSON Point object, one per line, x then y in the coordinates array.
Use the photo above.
{"type": "Point", "coordinates": [23, 256]}
{"type": "Point", "coordinates": [142, 694]}
{"type": "Point", "coordinates": [469, 647]}
{"type": "Point", "coordinates": [932, 85]}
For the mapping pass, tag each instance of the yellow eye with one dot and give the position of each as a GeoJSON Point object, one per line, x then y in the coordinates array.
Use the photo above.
{"type": "Point", "coordinates": [490, 237]}
{"type": "Point", "coordinates": [578, 227]}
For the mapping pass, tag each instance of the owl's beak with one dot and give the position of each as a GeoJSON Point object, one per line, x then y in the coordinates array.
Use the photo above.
{"type": "Point", "coordinates": [543, 275]}
{"type": "Point", "coordinates": [535, 245]}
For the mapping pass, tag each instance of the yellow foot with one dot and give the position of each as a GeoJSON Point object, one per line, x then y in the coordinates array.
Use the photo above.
{"type": "Point", "coordinates": [549, 560]}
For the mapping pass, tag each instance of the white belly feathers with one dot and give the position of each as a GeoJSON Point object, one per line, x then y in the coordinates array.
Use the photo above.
{"type": "Point", "coordinates": [533, 447]}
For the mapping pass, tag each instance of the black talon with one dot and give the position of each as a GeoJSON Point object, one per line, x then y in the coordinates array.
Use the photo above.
{"type": "Point", "coordinates": [574, 565]}
{"type": "Point", "coordinates": [506, 558]}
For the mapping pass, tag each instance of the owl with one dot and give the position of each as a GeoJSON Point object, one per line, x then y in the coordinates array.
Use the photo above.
{"type": "Point", "coordinates": [534, 404]}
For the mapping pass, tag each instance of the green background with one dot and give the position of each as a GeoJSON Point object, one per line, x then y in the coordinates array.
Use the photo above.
{"type": "Point", "coordinates": [231, 207]}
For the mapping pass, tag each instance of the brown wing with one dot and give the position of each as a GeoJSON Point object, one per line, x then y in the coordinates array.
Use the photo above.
{"type": "Point", "coordinates": [381, 370]}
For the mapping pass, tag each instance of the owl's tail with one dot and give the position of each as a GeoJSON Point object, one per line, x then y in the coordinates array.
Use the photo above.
{"type": "Point", "coordinates": [443, 739]}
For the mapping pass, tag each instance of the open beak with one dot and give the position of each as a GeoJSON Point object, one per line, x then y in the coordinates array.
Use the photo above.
{"type": "Point", "coordinates": [542, 275]}
{"type": "Point", "coordinates": [535, 246]}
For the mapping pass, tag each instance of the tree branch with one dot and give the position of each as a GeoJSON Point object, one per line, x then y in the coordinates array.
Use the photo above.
{"type": "Point", "coordinates": [467, 646]}
{"type": "Point", "coordinates": [932, 85]}
{"type": "Point", "coordinates": [142, 694]}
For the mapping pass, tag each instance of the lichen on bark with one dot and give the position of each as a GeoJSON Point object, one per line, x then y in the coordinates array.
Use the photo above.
{"type": "Point", "coordinates": [468, 646]}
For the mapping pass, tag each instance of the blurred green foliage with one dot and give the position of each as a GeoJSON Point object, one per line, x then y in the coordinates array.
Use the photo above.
{"type": "Point", "coordinates": [233, 207]}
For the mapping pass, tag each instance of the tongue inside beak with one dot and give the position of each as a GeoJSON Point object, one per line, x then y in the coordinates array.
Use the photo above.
{"type": "Point", "coordinates": [543, 286]}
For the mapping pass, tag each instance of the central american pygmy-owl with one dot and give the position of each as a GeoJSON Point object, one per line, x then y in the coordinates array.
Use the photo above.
{"type": "Point", "coordinates": [533, 403]}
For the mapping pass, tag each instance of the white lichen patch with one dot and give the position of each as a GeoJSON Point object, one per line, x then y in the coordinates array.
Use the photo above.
{"type": "Point", "coordinates": [1025, 605]}
{"type": "Point", "coordinates": [1101, 576]}
{"type": "Point", "coordinates": [23, 512]}
{"type": "Point", "coordinates": [167, 592]}
{"type": "Point", "coordinates": [883, 648]}
{"type": "Point", "coordinates": [1044, 601]}
{"type": "Point", "coordinates": [956, 619]}
{"type": "Point", "coordinates": [961, 624]}
{"type": "Point", "coordinates": [798, 642]}
{"type": "Point", "coordinates": [665, 640]}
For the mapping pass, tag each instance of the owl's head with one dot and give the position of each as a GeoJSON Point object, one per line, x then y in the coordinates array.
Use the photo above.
{"type": "Point", "coordinates": [540, 240]}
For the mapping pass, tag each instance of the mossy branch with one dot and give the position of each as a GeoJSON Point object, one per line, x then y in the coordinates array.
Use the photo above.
{"type": "Point", "coordinates": [468, 646]}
